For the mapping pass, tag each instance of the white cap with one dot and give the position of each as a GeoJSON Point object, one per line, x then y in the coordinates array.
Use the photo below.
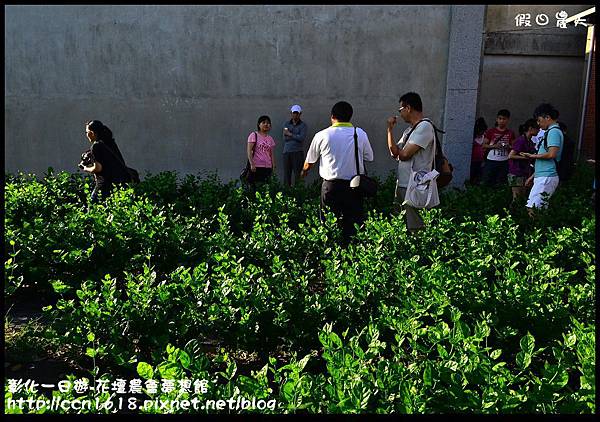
{"type": "Point", "coordinates": [295, 108]}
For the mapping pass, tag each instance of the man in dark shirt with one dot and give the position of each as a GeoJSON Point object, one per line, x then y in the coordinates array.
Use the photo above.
{"type": "Point", "coordinates": [294, 133]}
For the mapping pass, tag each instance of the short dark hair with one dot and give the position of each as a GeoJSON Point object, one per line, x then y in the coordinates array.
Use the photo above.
{"type": "Point", "coordinates": [262, 119]}
{"type": "Point", "coordinates": [342, 111]}
{"type": "Point", "coordinates": [544, 110]}
{"type": "Point", "coordinates": [504, 113]}
{"type": "Point", "coordinates": [413, 100]}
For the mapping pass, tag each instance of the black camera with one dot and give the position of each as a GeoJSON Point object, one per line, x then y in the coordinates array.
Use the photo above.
{"type": "Point", "coordinates": [87, 159]}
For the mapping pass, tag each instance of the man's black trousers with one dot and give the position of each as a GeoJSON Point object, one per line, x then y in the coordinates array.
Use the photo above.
{"type": "Point", "coordinates": [346, 203]}
{"type": "Point", "coordinates": [292, 165]}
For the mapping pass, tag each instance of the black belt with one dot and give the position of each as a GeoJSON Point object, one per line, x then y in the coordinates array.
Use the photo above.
{"type": "Point", "coordinates": [337, 181]}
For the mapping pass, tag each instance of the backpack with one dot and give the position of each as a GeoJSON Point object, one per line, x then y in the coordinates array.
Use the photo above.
{"type": "Point", "coordinates": [564, 167]}
{"type": "Point", "coordinates": [134, 175]}
{"type": "Point", "coordinates": [441, 163]}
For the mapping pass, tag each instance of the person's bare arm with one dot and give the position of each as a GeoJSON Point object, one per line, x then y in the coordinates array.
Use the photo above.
{"type": "Point", "coordinates": [94, 168]}
{"type": "Point", "coordinates": [550, 155]}
{"type": "Point", "coordinates": [306, 168]}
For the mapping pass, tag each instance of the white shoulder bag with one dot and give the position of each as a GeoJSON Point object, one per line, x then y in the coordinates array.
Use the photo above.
{"type": "Point", "coordinates": [422, 190]}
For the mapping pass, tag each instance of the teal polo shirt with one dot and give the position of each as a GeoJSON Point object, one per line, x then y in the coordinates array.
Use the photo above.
{"type": "Point", "coordinates": [547, 167]}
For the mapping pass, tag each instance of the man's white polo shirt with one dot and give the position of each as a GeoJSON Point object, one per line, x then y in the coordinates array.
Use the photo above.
{"type": "Point", "coordinates": [335, 147]}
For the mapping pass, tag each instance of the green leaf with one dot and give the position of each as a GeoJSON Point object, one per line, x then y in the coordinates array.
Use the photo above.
{"type": "Point", "coordinates": [185, 359]}
{"type": "Point", "coordinates": [523, 360]}
{"type": "Point", "coordinates": [302, 363]}
{"type": "Point", "coordinates": [60, 287]}
{"type": "Point", "coordinates": [248, 385]}
{"type": "Point", "coordinates": [556, 376]}
{"type": "Point", "coordinates": [145, 370]}
{"type": "Point", "coordinates": [495, 354]}
{"type": "Point", "coordinates": [90, 352]}
{"type": "Point", "coordinates": [442, 352]}
{"type": "Point", "coordinates": [570, 340]}
{"type": "Point", "coordinates": [231, 370]}
{"type": "Point", "coordinates": [335, 339]}
{"type": "Point", "coordinates": [527, 343]}
{"type": "Point", "coordinates": [427, 378]}
{"type": "Point", "coordinates": [288, 391]}
{"type": "Point", "coordinates": [169, 370]}
{"type": "Point", "coordinates": [91, 337]}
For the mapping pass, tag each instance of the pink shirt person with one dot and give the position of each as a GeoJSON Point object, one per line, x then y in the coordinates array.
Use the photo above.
{"type": "Point", "coordinates": [262, 149]}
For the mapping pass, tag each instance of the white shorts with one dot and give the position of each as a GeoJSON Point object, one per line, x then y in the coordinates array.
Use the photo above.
{"type": "Point", "coordinates": [541, 185]}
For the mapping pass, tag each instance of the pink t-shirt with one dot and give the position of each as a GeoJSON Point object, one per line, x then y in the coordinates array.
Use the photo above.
{"type": "Point", "coordinates": [477, 154]}
{"type": "Point", "coordinates": [262, 150]}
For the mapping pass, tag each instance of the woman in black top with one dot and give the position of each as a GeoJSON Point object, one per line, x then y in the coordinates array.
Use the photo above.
{"type": "Point", "coordinates": [108, 166]}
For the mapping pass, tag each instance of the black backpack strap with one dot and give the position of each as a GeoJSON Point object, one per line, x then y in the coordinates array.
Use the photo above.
{"type": "Point", "coordinates": [356, 151]}
{"type": "Point", "coordinates": [435, 129]}
{"type": "Point", "coordinates": [545, 137]}
{"type": "Point", "coordinates": [438, 146]}
{"type": "Point", "coordinates": [413, 129]}
{"type": "Point", "coordinates": [545, 142]}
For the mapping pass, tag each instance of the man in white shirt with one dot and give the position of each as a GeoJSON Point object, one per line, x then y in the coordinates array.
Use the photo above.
{"type": "Point", "coordinates": [334, 146]}
{"type": "Point", "coordinates": [413, 150]}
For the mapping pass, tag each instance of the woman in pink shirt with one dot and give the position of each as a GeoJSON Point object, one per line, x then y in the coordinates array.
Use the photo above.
{"type": "Point", "coordinates": [260, 152]}
{"type": "Point", "coordinates": [477, 154]}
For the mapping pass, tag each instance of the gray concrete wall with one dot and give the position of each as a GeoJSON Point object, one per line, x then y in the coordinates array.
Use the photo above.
{"type": "Point", "coordinates": [182, 86]}
{"type": "Point", "coordinates": [462, 87]}
{"type": "Point", "coordinates": [523, 67]}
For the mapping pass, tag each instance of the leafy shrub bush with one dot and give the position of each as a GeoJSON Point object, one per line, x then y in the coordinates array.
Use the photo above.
{"type": "Point", "coordinates": [483, 311]}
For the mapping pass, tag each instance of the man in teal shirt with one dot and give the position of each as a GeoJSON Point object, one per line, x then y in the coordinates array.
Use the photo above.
{"type": "Point", "coordinates": [549, 150]}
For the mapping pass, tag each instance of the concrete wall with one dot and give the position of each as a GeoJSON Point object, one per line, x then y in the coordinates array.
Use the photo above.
{"type": "Point", "coordinates": [525, 66]}
{"type": "Point", "coordinates": [462, 87]}
{"type": "Point", "coordinates": [182, 86]}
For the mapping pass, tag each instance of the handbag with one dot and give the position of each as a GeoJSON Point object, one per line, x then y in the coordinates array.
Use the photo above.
{"type": "Point", "coordinates": [246, 172]}
{"type": "Point", "coordinates": [363, 183]}
{"type": "Point", "coordinates": [134, 174]}
{"type": "Point", "coordinates": [422, 188]}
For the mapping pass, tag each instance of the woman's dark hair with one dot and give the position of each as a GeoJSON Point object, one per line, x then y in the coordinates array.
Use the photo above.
{"type": "Point", "coordinates": [480, 127]}
{"type": "Point", "coordinates": [544, 110]}
{"type": "Point", "coordinates": [96, 126]}
{"type": "Point", "coordinates": [262, 119]}
{"type": "Point", "coordinates": [529, 124]}
{"type": "Point", "coordinates": [342, 111]}
{"type": "Point", "coordinates": [104, 135]}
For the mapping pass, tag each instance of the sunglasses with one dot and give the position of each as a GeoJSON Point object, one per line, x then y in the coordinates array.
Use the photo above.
{"type": "Point", "coordinates": [401, 108]}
